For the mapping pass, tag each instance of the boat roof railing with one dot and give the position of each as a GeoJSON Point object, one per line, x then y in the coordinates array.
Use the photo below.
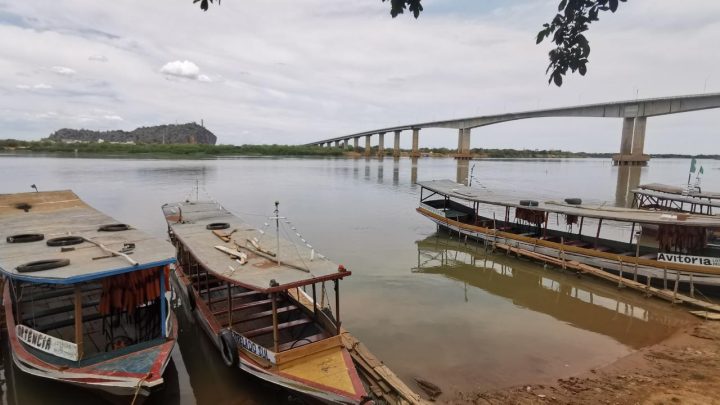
{"type": "Point", "coordinates": [666, 188]}
{"type": "Point", "coordinates": [689, 199]}
{"type": "Point", "coordinates": [456, 190]}
{"type": "Point", "coordinates": [299, 266]}
{"type": "Point", "coordinates": [62, 214]}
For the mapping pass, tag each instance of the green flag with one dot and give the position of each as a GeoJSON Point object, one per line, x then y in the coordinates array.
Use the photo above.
{"type": "Point", "coordinates": [692, 165]}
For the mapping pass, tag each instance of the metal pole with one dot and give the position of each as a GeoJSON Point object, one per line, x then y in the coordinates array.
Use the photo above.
{"type": "Point", "coordinates": [277, 230]}
{"type": "Point", "coordinates": [337, 305]}
{"type": "Point", "coordinates": [78, 321]}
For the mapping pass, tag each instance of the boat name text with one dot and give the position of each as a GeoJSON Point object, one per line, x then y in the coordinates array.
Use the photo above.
{"type": "Point", "coordinates": [46, 343]}
{"type": "Point", "coordinates": [685, 259]}
{"type": "Point", "coordinates": [254, 348]}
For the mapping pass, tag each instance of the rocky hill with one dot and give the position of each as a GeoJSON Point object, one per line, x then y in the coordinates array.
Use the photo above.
{"type": "Point", "coordinates": [190, 133]}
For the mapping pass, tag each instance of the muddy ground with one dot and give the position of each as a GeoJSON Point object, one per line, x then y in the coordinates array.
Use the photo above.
{"type": "Point", "coordinates": [684, 369]}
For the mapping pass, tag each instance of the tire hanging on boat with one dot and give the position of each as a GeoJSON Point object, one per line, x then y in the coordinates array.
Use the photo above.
{"type": "Point", "coordinates": [229, 348]}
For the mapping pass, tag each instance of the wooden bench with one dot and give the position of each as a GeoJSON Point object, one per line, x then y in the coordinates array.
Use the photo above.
{"type": "Point", "coordinates": [269, 329]}
{"type": "Point", "coordinates": [263, 314]}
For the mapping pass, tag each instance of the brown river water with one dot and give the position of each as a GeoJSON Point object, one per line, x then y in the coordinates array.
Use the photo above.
{"type": "Point", "coordinates": [428, 305]}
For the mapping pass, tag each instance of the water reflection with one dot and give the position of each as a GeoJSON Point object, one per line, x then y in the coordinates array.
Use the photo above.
{"type": "Point", "coordinates": [628, 179]}
{"type": "Point", "coordinates": [463, 170]}
{"type": "Point", "coordinates": [583, 303]}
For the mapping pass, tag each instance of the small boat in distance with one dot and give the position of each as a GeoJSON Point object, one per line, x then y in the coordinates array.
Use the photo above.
{"type": "Point", "coordinates": [655, 247]}
{"type": "Point", "coordinates": [84, 296]}
{"type": "Point", "coordinates": [263, 301]}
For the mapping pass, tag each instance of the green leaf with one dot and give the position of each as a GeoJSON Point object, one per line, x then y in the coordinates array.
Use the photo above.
{"type": "Point", "coordinates": [562, 5]}
{"type": "Point", "coordinates": [557, 78]}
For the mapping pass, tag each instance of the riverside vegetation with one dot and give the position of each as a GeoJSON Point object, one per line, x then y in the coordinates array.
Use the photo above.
{"type": "Point", "coordinates": [198, 150]}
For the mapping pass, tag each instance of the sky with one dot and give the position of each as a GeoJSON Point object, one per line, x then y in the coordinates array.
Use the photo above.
{"type": "Point", "coordinates": [293, 72]}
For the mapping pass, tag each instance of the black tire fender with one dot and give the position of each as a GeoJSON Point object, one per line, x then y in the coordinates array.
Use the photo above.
{"type": "Point", "coordinates": [114, 228]}
{"type": "Point", "coordinates": [65, 241]}
{"type": "Point", "coordinates": [41, 265]}
{"type": "Point", "coordinates": [191, 297]}
{"type": "Point", "coordinates": [573, 201]}
{"type": "Point", "coordinates": [529, 203]}
{"type": "Point", "coordinates": [228, 348]}
{"type": "Point", "coordinates": [218, 225]}
{"type": "Point", "coordinates": [25, 238]}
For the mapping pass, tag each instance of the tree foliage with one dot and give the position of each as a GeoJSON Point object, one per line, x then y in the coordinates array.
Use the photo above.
{"type": "Point", "coordinates": [572, 48]}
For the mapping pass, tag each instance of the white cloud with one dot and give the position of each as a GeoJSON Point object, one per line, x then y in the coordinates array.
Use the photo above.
{"type": "Point", "coordinates": [332, 67]}
{"type": "Point", "coordinates": [62, 70]}
{"type": "Point", "coordinates": [113, 117]}
{"type": "Point", "coordinates": [98, 58]}
{"type": "Point", "coordinates": [184, 69]}
{"type": "Point", "coordinates": [39, 86]}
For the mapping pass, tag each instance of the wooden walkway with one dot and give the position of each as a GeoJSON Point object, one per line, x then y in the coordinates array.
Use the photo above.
{"type": "Point", "coordinates": [710, 310]}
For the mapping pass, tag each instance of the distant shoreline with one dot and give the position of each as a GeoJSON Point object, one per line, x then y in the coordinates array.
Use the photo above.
{"type": "Point", "coordinates": [16, 147]}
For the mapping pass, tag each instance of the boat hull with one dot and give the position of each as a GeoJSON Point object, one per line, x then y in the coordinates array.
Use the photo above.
{"type": "Point", "coordinates": [658, 276]}
{"type": "Point", "coordinates": [245, 362]}
{"type": "Point", "coordinates": [101, 376]}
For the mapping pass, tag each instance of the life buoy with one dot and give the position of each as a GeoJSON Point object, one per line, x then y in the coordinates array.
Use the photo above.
{"type": "Point", "coordinates": [65, 241]}
{"type": "Point", "coordinates": [41, 265]}
{"type": "Point", "coordinates": [218, 225]}
{"type": "Point", "coordinates": [229, 348]}
{"type": "Point", "coordinates": [25, 237]}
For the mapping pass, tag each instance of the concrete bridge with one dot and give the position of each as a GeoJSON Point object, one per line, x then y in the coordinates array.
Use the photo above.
{"type": "Point", "coordinates": [633, 113]}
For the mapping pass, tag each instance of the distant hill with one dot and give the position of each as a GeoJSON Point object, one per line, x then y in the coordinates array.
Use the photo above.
{"type": "Point", "coordinates": [190, 133]}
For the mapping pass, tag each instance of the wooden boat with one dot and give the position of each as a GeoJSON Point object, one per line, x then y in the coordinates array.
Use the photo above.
{"type": "Point", "coordinates": [84, 296]}
{"type": "Point", "coordinates": [681, 252]}
{"type": "Point", "coordinates": [668, 198]}
{"type": "Point", "coordinates": [262, 301]}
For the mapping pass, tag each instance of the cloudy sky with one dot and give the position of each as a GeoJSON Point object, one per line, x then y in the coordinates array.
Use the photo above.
{"type": "Point", "coordinates": [290, 71]}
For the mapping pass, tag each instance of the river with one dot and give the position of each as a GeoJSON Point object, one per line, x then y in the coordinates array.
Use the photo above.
{"type": "Point", "coordinates": [427, 305]}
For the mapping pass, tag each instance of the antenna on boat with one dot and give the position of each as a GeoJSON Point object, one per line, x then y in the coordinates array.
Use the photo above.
{"type": "Point", "coordinates": [197, 189]}
{"type": "Point", "coordinates": [470, 176]}
{"type": "Point", "coordinates": [277, 230]}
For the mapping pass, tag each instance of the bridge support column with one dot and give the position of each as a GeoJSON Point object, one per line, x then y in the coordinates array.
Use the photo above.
{"type": "Point", "coordinates": [381, 144]}
{"type": "Point", "coordinates": [463, 151]}
{"type": "Point", "coordinates": [632, 143]}
{"type": "Point", "coordinates": [367, 145]}
{"type": "Point", "coordinates": [356, 140]}
{"type": "Point", "coordinates": [396, 145]}
{"type": "Point", "coordinates": [337, 144]}
{"type": "Point", "coordinates": [415, 143]}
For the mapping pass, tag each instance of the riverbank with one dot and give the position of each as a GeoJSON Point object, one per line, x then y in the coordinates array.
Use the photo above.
{"type": "Point", "coordinates": [209, 151]}
{"type": "Point", "coordinates": [680, 370]}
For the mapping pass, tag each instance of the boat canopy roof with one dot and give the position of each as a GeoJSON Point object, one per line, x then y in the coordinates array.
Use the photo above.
{"type": "Point", "coordinates": [666, 188]}
{"type": "Point", "coordinates": [62, 213]}
{"type": "Point", "coordinates": [690, 199]}
{"type": "Point", "coordinates": [452, 189]}
{"type": "Point", "coordinates": [189, 220]}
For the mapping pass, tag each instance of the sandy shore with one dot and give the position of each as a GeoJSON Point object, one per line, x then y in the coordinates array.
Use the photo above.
{"type": "Point", "coordinates": [684, 369]}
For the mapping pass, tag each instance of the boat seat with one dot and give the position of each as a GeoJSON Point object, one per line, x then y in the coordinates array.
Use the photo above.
{"type": "Point", "coordinates": [244, 306]}
{"type": "Point", "coordinates": [29, 316]}
{"type": "Point", "coordinates": [64, 323]}
{"type": "Point", "coordinates": [235, 296]}
{"type": "Point", "coordinates": [263, 314]}
{"type": "Point", "coordinates": [269, 329]}
{"type": "Point", "coordinates": [302, 342]}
